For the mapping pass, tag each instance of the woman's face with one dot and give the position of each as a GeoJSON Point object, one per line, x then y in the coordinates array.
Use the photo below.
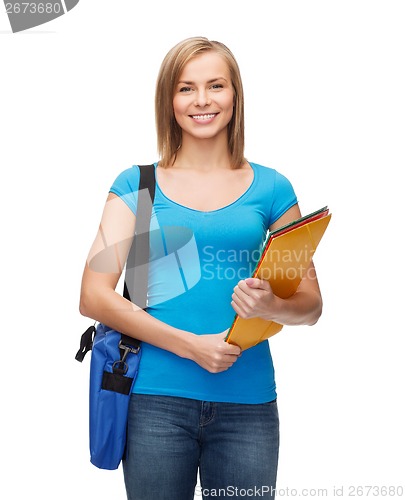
{"type": "Point", "coordinates": [204, 97]}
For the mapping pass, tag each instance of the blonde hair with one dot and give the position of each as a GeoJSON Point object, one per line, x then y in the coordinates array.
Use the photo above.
{"type": "Point", "coordinates": [169, 133]}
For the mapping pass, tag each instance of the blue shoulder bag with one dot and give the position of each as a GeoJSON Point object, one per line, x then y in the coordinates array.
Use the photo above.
{"type": "Point", "coordinates": [115, 357]}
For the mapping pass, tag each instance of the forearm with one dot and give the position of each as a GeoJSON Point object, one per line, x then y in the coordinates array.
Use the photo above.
{"type": "Point", "coordinates": [110, 308]}
{"type": "Point", "coordinates": [302, 308]}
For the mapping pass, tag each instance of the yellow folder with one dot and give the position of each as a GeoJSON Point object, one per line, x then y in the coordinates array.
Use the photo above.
{"type": "Point", "coordinates": [284, 261]}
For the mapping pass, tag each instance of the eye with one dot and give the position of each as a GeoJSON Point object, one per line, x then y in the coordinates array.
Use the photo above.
{"type": "Point", "coordinates": [185, 89]}
{"type": "Point", "coordinates": [217, 86]}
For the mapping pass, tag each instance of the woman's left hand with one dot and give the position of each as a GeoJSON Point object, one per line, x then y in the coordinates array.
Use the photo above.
{"type": "Point", "coordinates": [254, 297]}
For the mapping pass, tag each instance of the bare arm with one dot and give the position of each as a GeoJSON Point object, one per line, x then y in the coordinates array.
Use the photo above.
{"type": "Point", "coordinates": [100, 301]}
{"type": "Point", "coordinates": [253, 297]}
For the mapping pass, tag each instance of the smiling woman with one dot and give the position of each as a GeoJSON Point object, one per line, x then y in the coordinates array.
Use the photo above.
{"type": "Point", "coordinates": [197, 403]}
{"type": "Point", "coordinates": [176, 76]}
{"type": "Point", "coordinates": [203, 108]}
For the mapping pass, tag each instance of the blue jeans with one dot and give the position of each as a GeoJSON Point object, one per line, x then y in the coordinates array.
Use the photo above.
{"type": "Point", "coordinates": [235, 447]}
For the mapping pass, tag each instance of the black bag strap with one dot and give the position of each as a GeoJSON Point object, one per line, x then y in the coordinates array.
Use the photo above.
{"type": "Point", "coordinates": [137, 266]}
{"type": "Point", "coordinates": [86, 343]}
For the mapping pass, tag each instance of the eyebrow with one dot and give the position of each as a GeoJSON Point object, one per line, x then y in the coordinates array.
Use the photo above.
{"type": "Point", "coordinates": [209, 81]}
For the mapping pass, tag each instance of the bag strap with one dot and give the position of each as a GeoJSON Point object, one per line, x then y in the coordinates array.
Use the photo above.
{"type": "Point", "coordinates": [136, 273]}
{"type": "Point", "coordinates": [137, 267]}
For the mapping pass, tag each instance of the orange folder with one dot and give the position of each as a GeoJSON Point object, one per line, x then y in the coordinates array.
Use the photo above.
{"type": "Point", "coordinates": [284, 261]}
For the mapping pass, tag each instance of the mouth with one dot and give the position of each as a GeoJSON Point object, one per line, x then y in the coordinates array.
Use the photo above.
{"type": "Point", "coordinates": [204, 117]}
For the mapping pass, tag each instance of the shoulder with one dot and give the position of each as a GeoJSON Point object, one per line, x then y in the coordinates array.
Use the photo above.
{"type": "Point", "coordinates": [126, 181]}
{"type": "Point", "coordinates": [126, 186]}
{"type": "Point", "coordinates": [275, 190]}
{"type": "Point", "coordinates": [270, 176]}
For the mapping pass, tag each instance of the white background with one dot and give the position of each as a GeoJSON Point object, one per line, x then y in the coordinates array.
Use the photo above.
{"type": "Point", "coordinates": [324, 83]}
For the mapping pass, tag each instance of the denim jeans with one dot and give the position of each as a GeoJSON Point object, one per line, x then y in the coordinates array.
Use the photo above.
{"type": "Point", "coordinates": [234, 446]}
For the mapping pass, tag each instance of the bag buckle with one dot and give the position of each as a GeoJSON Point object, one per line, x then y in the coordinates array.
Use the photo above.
{"type": "Point", "coordinates": [121, 366]}
{"type": "Point", "coordinates": [127, 349]}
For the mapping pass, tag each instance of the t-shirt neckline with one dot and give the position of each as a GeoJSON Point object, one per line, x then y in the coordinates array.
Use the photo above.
{"type": "Point", "coordinates": [238, 200]}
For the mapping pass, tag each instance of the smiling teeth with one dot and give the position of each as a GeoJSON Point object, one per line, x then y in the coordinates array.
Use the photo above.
{"type": "Point", "coordinates": [203, 117]}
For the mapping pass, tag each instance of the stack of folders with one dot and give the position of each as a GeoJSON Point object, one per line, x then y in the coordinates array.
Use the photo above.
{"type": "Point", "coordinates": [285, 258]}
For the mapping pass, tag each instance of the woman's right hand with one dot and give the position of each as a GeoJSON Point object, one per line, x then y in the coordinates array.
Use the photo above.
{"type": "Point", "coordinates": [213, 354]}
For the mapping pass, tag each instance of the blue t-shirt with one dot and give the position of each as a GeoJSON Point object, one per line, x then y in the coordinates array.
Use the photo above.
{"type": "Point", "coordinates": [196, 259]}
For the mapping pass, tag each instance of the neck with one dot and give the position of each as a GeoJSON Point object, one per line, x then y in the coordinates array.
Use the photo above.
{"type": "Point", "coordinates": [203, 154]}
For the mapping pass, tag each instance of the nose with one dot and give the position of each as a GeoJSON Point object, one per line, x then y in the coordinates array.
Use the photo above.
{"type": "Point", "coordinates": [202, 98]}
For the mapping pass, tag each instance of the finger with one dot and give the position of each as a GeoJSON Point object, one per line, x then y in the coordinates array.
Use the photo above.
{"type": "Point", "coordinates": [238, 294]}
{"type": "Point", "coordinates": [243, 290]}
{"type": "Point", "coordinates": [242, 287]}
{"type": "Point", "coordinates": [232, 351]}
{"type": "Point", "coordinates": [243, 299]}
{"type": "Point", "coordinates": [238, 307]}
{"type": "Point", "coordinates": [257, 283]}
{"type": "Point", "coordinates": [246, 302]}
{"type": "Point", "coordinates": [240, 311]}
{"type": "Point", "coordinates": [224, 364]}
{"type": "Point", "coordinates": [230, 360]}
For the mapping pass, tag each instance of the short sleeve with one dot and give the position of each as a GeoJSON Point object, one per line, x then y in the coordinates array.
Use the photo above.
{"type": "Point", "coordinates": [126, 187]}
{"type": "Point", "coordinates": [284, 197]}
